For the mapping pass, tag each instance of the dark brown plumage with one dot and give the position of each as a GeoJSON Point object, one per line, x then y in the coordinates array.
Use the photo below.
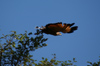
{"type": "Point", "coordinates": [56, 28]}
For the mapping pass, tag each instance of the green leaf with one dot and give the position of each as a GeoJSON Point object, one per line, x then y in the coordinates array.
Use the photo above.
{"type": "Point", "coordinates": [52, 60]}
{"type": "Point", "coordinates": [89, 62]}
{"type": "Point", "coordinates": [42, 58]}
{"type": "Point", "coordinates": [30, 33]}
{"type": "Point", "coordinates": [2, 50]}
{"type": "Point", "coordinates": [30, 55]}
{"type": "Point", "coordinates": [56, 63]}
{"type": "Point", "coordinates": [69, 60]}
{"type": "Point", "coordinates": [1, 37]}
{"type": "Point", "coordinates": [73, 59]}
{"type": "Point", "coordinates": [46, 59]}
{"type": "Point", "coordinates": [13, 44]}
{"type": "Point", "coordinates": [14, 32]}
{"type": "Point", "coordinates": [88, 65]}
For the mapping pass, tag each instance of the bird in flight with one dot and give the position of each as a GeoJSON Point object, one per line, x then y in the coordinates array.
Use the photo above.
{"type": "Point", "coordinates": [56, 28]}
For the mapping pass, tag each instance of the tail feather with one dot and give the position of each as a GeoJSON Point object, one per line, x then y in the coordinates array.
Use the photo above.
{"type": "Point", "coordinates": [70, 24]}
{"type": "Point", "coordinates": [73, 29]}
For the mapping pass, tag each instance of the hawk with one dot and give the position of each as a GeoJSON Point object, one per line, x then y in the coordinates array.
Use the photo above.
{"type": "Point", "coordinates": [56, 28]}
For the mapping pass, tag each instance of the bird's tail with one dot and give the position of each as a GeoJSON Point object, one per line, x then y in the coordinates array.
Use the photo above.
{"type": "Point", "coordinates": [73, 29]}
{"type": "Point", "coordinates": [70, 24]}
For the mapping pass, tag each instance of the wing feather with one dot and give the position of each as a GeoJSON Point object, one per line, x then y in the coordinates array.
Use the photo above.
{"type": "Point", "coordinates": [56, 28]}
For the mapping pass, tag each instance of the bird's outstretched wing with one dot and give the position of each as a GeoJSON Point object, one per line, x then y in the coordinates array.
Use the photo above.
{"type": "Point", "coordinates": [56, 28]}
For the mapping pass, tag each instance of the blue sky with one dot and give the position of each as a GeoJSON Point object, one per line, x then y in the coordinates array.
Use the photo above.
{"type": "Point", "coordinates": [83, 44]}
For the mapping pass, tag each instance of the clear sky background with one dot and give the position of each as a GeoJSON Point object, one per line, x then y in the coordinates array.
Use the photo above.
{"type": "Point", "coordinates": [83, 44]}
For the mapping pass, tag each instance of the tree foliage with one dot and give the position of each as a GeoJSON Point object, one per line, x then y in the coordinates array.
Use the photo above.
{"type": "Point", "coordinates": [15, 51]}
{"type": "Point", "coordinates": [16, 47]}
{"type": "Point", "coordinates": [94, 64]}
{"type": "Point", "coordinates": [54, 62]}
